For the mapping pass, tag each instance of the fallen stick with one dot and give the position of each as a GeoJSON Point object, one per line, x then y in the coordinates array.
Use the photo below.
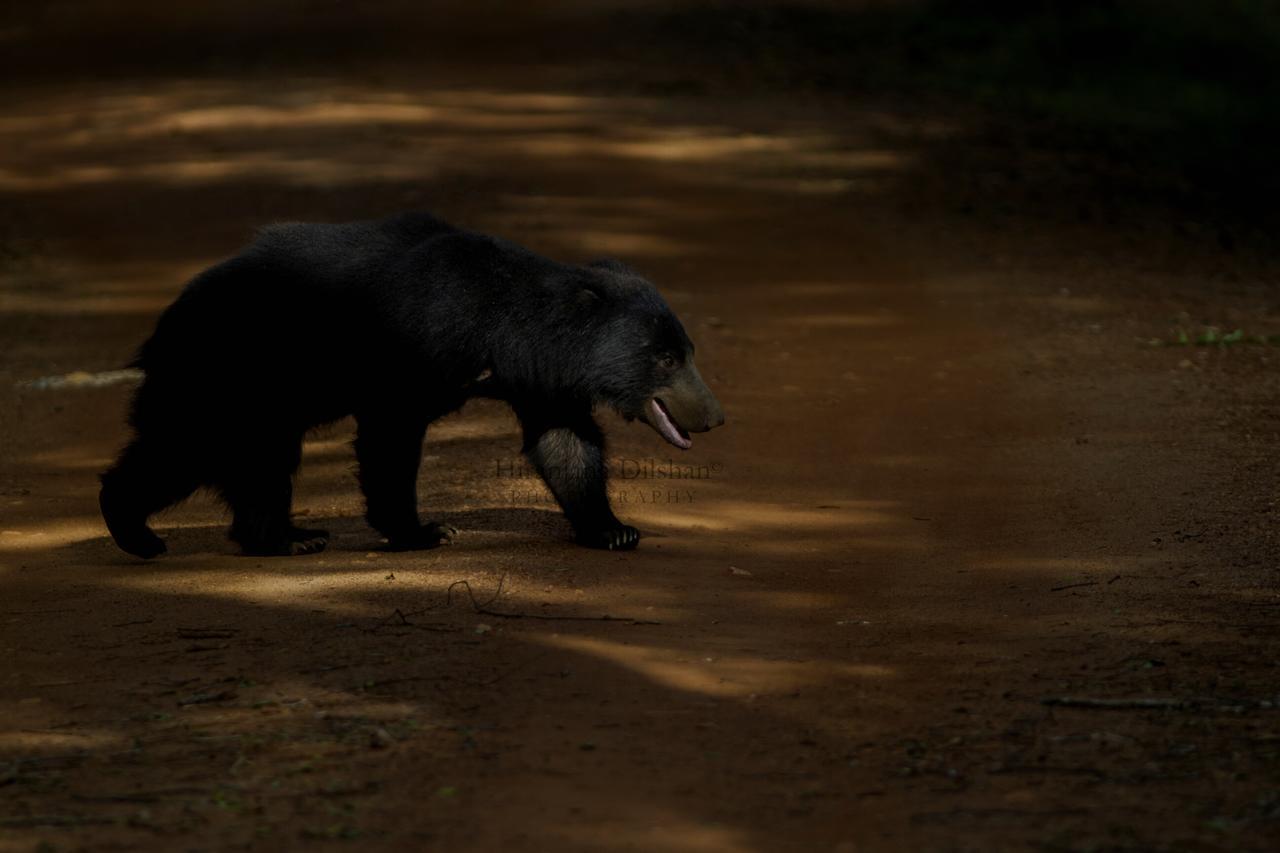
{"type": "Point", "coordinates": [484, 609]}
{"type": "Point", "coordinates": [404, 622]}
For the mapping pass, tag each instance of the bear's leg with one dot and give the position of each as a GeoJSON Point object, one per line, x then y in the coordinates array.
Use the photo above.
{"type": "Point", "coordinates": [258, 486]}
{"type": "Point", "coordinates": [144, 480]}
{"type": "Point", "coordinates": [389, 451]}
{"type": "Point", "coordinates": [570, 458]}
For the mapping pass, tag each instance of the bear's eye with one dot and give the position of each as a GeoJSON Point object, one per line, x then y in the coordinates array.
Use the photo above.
{"type": "Point", "coordinates": [667, 362]}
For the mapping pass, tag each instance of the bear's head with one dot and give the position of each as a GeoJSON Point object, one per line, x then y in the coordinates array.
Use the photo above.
{"type": "Point", "coordinates": [641, 359]}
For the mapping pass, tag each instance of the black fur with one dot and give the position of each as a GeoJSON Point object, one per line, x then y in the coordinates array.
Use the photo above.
{"type": "Point", "coordinates": [397, 322]}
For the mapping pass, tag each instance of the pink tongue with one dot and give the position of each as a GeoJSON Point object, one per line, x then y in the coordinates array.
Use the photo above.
{"type": "Point", "coordinates": [666, 426]}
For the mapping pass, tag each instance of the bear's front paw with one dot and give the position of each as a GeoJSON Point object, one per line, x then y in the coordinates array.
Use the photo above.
{"type": "Point", "coordinates": [294, 543]}
{"type": "Point", "coordinates": [426, 536]}
{"type": "Point", "coordinates": [305, 541]}
{"type": "Point", "coordinates": [620, 538]}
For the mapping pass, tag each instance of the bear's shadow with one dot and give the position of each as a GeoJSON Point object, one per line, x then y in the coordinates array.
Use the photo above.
{"type": "Point", "coordinates": [348, 534]}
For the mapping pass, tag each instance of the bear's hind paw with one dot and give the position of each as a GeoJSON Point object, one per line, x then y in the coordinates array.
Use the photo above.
{"type": "Point", "coordinates": [297, 542]}
{"type": "Point", "coordinates": [303, 541]}
{"type": "Point", "coordinates": [621, 538]}
{"type": "Point", "coordinates": [144, 544]}
{"type": "Point", "coordinates": [428, 535]}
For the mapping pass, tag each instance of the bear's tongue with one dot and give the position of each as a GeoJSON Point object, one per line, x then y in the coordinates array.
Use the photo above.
{"type": "Point", "coordinates": [666, 426]}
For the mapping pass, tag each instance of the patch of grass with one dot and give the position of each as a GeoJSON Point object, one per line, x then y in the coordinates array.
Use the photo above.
{"type": "Point", "coordinates": [333, 832]}
{"type": "Point", "coordinates": [1213, 336]}
{"type": "Point", "coordinates": [227, 800]}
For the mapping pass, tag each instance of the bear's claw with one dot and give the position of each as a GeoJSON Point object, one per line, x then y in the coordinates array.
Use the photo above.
{"type": "Point", "coordinates": [311, 542]}
{"type": "Point", "coordinates": [429, 535]}
{"type": "Point", "coordinates": [297, 542]}
{"type": "Point", "coordinates": [622, 538]}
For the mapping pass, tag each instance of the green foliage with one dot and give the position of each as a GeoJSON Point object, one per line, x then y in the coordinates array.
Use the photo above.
{"type": "Point", "coordinates": [1183, 88]}
{"type": "Point", "coordinates": [1213, 336]}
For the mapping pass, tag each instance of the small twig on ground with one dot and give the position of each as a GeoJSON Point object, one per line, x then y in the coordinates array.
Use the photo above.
{"type": "Point", "coordinates": [402, 619]}
{"type": "Point", "coordinates": [484, 609]}
{"type": "Point", "coordinates": [1073, 586]}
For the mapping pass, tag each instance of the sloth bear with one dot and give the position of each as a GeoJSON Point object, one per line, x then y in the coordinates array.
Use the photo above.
{"type": "Point", "coordinates": [397, 322]}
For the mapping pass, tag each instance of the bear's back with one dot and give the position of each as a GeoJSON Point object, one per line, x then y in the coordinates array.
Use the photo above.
{"type": "Point", "coordinates": [342, 254]}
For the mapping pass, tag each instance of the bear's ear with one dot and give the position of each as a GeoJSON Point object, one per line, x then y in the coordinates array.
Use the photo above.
{"type": "Point", "coordinates": [589, 296]}
{"type": "Point", "coordinates": [612, 265]}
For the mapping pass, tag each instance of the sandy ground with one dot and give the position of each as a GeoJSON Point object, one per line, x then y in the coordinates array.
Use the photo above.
{"type": "Point", "coordinates": [957, 485]}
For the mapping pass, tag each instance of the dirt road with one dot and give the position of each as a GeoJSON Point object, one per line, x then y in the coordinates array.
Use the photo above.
{"type": "Point", "coordinates": [957, 486]}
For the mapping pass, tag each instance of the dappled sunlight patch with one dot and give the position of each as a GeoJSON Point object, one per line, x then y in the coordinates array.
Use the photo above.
{"type": "Point", "coordinates": [49, 534]}
{"type": "Point", "coordinates": [140, 279]}
{"type": "Point", "coordinates": [73, 458]}
{"type": "Point", "coordinates": [1046, 564]}
{"type": "Point", "coordinates": [786, 547]}
{"type": "Point", "coordinates": [621, 226]}
{"type": "Point", "coordinates": [284, 583]}
{"type": "Point", "coordinates": [1065, 571]}
{"type": "Point", "coordinates": [34, 741]}
{"type": "Point", "coordinates": [778, 599]}
{"type": "Point", "coordinates": [636, 210]}
{"type": "Point", "coordinates": [730, 515]}
{"type": "Point", "coordinates": [302, 171]}
{"type": "Point", "coordinates": [97, 304]}
{"type": "Point", "coordinates": [695, 143]}
{"type": "Point", "coordinates": [842, 320]}
{"type": "Point", "coordinates": [203, 107]}
{"type": "Point", "coordinates": [757, 156]}
{"type": "Point", "coordinates": [98, 290]}
{"type": "Point", "coordinates": [205, 133]}
{"type": "Point", "coordinates": [633, 825]}
{"type": "Point", "coordinates": [803, 186]}
{"type": "Point", "coordinates": [326, 447]}
{"type": "Point", "coordinates": [605, 242]}
{"type": "Point", "coordinates": [532, 598]}
{"type": "Point", "coordinates": [736, 676]}
{"type": "Point", "coordinates": [484, 419]}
